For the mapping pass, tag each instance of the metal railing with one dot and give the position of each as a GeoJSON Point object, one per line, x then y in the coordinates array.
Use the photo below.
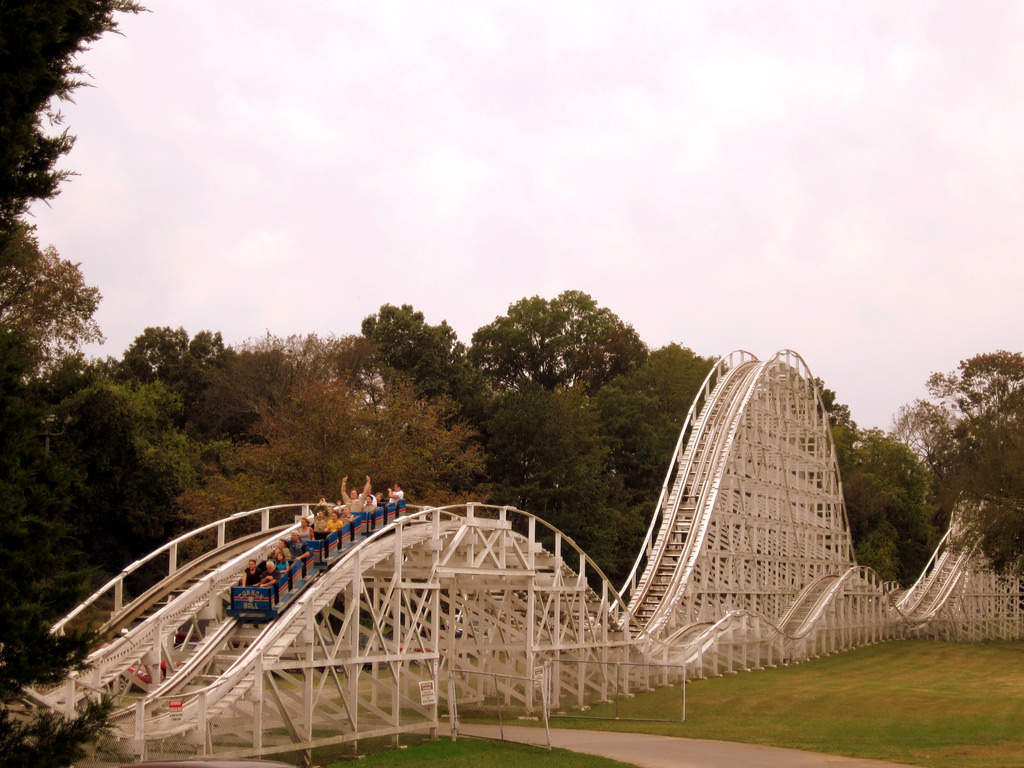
{"type": "Point", "coordinates": [116, 586]}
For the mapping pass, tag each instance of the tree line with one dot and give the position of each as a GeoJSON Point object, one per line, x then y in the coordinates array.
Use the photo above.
{"type": "Point", "coordinates": [556, 407]}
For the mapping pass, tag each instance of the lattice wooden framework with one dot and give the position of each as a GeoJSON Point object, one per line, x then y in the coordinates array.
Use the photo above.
{"type": "Point", "coordinates": [748, 560]}
{"type": "Point", "coordinates": [752, 510]}
{"type": "Point", "coordinates": [466, 599]}
{"type": "Point", "coordinates": [747, 563]}
{"type": "Point", "coordinates": [958, 598]}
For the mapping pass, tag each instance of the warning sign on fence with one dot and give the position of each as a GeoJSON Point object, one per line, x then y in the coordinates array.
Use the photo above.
{"type": "Point", "coordinates": [428, 695]}
{"type": "Point", "coordinates": [538, 677]}
{"type": "Point", "coordinates": [174, 706]}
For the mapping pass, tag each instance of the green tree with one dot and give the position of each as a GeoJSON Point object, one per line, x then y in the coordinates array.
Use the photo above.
{"type": "Point", "coordinates": [430, 355]}
{"type": "Point", "coordinates": [44, 298]}
{"type": "Point", "coordinates": [38, 46]}
{"type": "Point", "coordinates": [569, 342]}
{"type": "Point", "coordinates": [973, 433]}
{"type": "Point", "coordinates": [545, 456]}
{"type": "Point", "coordinates": [188, 367]}
{"type": "Point", "coordinates": [928, 429]}
{"type": "Point", "coordinates": [886, 490]}
{"type": "Point", "coordinates": [417, 442]}
{"type": "Point", "coordinates": [36, 586]}
{"type": "Point", "coordinates": [641, 414]}
{"type": "Point", "coordinates": [309, 437]}
{"type": "Point", "coordinates": [129, 463]}
{"type": "Point", "coordinates": [838, 413]}
{"type": "Point", "coordinates": [45, 312]}
{"type": "Point", "coordinates": [322, 411]}
{"type": "Point", "coordinates": [326, 430]}
{"type": "Point", "coordinates": [236, 386]}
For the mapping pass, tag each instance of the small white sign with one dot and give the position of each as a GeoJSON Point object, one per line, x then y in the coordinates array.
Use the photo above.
{"type": "Point", "coordinates": [428, 695]}
{"type": "Point", "coordinates": [175, 706]}
{"type": "Point", "coordinates": [538, 677]}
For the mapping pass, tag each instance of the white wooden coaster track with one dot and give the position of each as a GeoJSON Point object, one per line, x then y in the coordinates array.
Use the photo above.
{"type": "Point", "coordinates": [747, 562]}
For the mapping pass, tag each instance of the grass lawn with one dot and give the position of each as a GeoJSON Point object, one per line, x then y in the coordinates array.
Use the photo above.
{"type": "Point", "coordinates": [922, 703]}
{"type": "Point", "coordinates": [918, 702]}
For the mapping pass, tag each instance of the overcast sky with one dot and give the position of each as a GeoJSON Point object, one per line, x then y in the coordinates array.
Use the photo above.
{"type": "Point", "coordinates": [843, 179]}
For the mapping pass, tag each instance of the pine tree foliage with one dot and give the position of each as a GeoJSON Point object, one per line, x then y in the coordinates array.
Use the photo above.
{"type": "Point", "coordinates": [39, 43]}
{"type": "Point", "coordinates": [36, 585]}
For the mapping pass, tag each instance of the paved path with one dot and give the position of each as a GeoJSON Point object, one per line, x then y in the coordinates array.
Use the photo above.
{"type": "Point", "coordinates": [649, 751]}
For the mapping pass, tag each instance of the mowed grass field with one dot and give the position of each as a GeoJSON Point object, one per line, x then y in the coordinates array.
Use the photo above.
{"type": "Point", "coordinates": [919, 702]}
{"type": "Point", "coordinates": [923, 703]}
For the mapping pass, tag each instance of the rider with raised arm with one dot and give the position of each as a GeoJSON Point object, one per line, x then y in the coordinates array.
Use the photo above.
{"type": "Point", "coordinates": [356, 501]}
